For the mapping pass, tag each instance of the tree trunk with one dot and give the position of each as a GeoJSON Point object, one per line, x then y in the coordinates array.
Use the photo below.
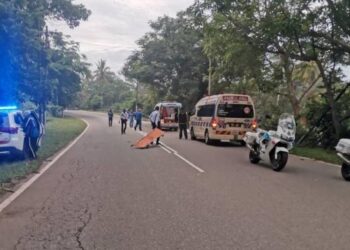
{"type": "Point", "coordinates": [330, 100]}
{"type": "Point", "coordinates": [292, 96]}
{"type": "Point", "coordinates": [42, 112]}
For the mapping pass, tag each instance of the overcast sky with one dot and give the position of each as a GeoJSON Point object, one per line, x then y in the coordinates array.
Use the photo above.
{"type": "Point", "coordinates": [115, 25]}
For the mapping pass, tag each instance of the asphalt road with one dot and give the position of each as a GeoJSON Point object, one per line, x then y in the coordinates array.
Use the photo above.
{"type": "Point", "coordinates": [103, 194]}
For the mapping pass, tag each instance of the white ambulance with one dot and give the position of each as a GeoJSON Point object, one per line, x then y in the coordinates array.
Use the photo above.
{"type": "Point", "coordinates": [168, 115]}
{"type": "Point", "coordinates": [225, 117]}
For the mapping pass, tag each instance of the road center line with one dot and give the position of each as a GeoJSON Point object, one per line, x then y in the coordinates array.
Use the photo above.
{"type": "Point", "coordinates": [27, 184]}
{"type": "Point", "coordinates": [170, 150]}
{"type": "Point", "coordinates": [165, 149]}
{"type": "Point", "coordinates": [189, 163]}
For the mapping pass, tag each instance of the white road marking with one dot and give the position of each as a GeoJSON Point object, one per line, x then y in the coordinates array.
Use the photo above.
{"type": "Point", "coordinates": [170, 150]}
{"type": "Point", "coordinates": [165, 149]}
{"type": "Point", "coordinates": [27, 184]}
{"type": "Point", "coordinates": [189, 163]}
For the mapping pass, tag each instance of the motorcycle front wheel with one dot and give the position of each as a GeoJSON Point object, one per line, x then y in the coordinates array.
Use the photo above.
{"type": "Point", "coordinates": [281, 161]}
{"type": "Point", "coordinates": [253, 157]}
{"type": "Point", "coordinates": [345, 171]}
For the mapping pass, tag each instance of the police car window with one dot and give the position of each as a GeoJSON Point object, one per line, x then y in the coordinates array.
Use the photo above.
{"type": "Point", "coordinates": [18, 119]}
{"type": "Point", "coordinates": [4, 120]}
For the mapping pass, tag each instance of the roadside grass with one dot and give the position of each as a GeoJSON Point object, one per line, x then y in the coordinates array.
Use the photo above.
{"type": "Point", "coordinates": [316, 153]}
{"type": "Point", "coordinates": [59, 132]}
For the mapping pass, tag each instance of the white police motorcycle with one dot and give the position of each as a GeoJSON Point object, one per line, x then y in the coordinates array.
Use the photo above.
{"type": "Point", "coordinates": [272, 146]}
{"type": "Point", "coordinates": [343, 151]}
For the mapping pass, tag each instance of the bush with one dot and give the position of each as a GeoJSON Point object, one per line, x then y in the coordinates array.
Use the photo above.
{"type": "Point", "coordinates": [55, 110]}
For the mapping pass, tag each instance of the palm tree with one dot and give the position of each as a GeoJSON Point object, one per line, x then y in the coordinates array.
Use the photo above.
{"type": "Point", "coordinates": [103, 73]}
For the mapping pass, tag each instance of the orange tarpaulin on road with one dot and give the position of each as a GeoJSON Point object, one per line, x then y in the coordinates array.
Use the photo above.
{"type": "Point", "coordinates": [150, 137]}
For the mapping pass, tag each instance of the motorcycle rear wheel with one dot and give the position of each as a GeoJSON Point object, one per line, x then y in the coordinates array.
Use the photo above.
{"type": "Point", "coordinates": [281, 161]}
{"type": "Point", "coordinates": [345, 171]}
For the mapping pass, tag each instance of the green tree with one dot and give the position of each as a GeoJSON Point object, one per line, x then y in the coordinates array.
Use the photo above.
{"type": "Point", "coordinates": [29, 51]}
{"type": "Point", "coordinates": [104, 90]}
{"type": "Point", "coordinates": [103, 73]}
{"type": "Point", "coordinates": [292, 31]}
{"type": "Point", "coordinates": [170, 61]}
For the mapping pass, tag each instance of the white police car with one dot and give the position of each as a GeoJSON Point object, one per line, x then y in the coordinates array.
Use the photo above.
{"type": "Point", "coordinates": [14, 136]}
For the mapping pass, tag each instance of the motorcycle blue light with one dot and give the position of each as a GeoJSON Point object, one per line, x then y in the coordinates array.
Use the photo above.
{"type": "Point", "coordinates": [8, 107]}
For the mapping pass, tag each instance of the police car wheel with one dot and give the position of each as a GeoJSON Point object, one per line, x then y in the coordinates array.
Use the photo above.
{"type": "Point", "coordinates": [21, 154]}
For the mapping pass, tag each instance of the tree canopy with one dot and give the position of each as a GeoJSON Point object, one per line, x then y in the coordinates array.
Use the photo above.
{"type": "Point", "coordinates": [37, 64]}
{"type": "Point", "coordinates": [288, 54]}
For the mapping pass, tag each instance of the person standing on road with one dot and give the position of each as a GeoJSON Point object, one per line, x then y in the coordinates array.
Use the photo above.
{"type": "Point", "coordinates": [183, 120]}
{"type": "Point", "coordinates": [110, 117]}
{"type": "Point", "coordinates": [131, 118]}
{"type": "Point", "coordinates": [155, 121]}
{"type": "Point", "coordinates": [138, 119]}
{"type": "Point", "coordinates": [124, 120]}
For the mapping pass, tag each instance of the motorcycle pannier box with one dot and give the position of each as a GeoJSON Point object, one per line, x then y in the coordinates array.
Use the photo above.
{"type": "Point", "coordinates": [343, 146]}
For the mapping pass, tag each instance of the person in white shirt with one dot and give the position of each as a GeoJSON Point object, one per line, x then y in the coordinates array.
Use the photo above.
{"type": "Point", "coordinates": [155, 120]}
{"type": "Point", "coordinates": [124, 120]}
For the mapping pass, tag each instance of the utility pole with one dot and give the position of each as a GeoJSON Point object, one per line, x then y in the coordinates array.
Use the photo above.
{"type": "Point", "coordinates": [209, 80]}
{"type": "Point", "coordinates": [137, 95]}
{"type": "Point", "coordinates": [210, 68]}
{"type": "Point", "coordinates": [46, 73]}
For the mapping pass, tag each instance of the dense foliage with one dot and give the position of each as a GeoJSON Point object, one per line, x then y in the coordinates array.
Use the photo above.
{"type": "Point", "coordinates": [105, 90]}
{"type": "Point", "coordinates": [37, 64]}
{"type": "Point", "coordinates": [170, 62]}
{"type": "Point", "coordinates": [290, 55]}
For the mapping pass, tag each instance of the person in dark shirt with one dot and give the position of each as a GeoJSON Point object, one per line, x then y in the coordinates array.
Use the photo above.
{"type": "Point", "coordinates": [138, 119]}
{"type": "Point", "coordinates": [110, 117]}
{"type": "Point", "coordinates": [183, 120]}
{"type": "Point", "coordinates": [124, 120]}
{"type": "Point", "coordinates": [176, 116]}
{"type": "Point", "coordinates": [32, 132]}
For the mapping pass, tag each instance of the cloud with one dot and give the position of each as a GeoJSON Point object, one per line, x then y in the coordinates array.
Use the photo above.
{"type": "Point", "coordinates": [115, 25]}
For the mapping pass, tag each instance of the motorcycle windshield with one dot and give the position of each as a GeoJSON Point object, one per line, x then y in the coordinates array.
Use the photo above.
{"type": "Point", "coordinates": [287, 127]}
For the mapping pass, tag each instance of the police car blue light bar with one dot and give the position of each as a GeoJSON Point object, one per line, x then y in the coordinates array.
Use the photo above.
{"type": "Point", "coordinates": [8, 107]}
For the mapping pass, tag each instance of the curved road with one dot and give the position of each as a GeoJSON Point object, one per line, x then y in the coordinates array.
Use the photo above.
{"type": "Point", "coordinates": [103, 194]}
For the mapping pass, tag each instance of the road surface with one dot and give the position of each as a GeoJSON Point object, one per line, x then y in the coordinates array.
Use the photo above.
{"type": "Point", "coordinates": [103, 194]}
